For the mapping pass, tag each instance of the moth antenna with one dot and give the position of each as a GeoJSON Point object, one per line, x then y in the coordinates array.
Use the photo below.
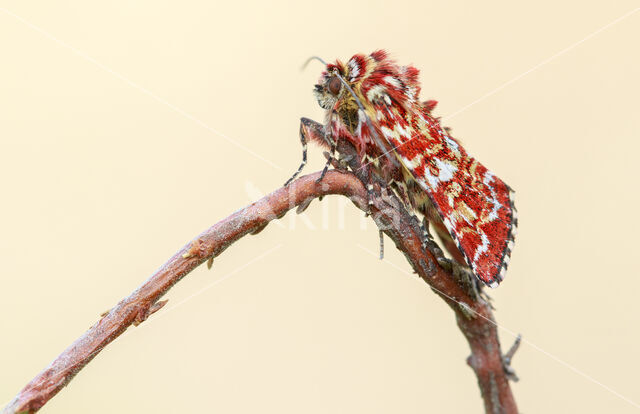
{"type": "Point", "coordinates": [319, 59]}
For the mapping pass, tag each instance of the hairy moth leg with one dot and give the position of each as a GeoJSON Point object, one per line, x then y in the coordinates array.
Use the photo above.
{"type": "Point", "coordinates": [448, 242]}
{"type": "Point", "coordinates": [429, 242]}
{"type": "Point", "coordinates": [457, 266]}
{"type": "Point", "coordinates": [330, 160]}
{"type": "Point", "coordinates": [367, 178]}
{"type": "Point", "coordinates": [303, 141]}
{"type": "Point", "coordinates": [313, 131]}
{"type": "Point", "coordinates": [464, 276]}
{"type": "Point", "coordinates": [328, 137]}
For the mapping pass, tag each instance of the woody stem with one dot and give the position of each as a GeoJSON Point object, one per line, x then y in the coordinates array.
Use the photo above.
{"type": "Point", "coordinates": [473, 315]}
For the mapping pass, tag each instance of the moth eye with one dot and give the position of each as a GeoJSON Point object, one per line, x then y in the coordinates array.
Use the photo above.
{"type": "Point", "coordinates": [334, 85]}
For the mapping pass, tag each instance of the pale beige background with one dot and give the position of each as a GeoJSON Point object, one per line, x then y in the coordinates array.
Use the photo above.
{"type": "Point", "coordinates": [110, 161]}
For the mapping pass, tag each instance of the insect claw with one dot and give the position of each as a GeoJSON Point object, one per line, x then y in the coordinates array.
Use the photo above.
{"type": "Point", "coordinates": [433, 247]}
{"type": "Point", "coordinates": [445, 263]}
{"type": "Point", "coordinates": [324, 172]}
{"type": "Point", "coordinates": [463, 275]}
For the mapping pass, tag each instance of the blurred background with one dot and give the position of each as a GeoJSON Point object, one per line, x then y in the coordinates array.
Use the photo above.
{"type": "Point", "coordinates": [128, 127]}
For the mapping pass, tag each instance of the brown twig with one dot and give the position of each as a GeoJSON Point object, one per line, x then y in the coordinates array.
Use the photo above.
{"type": "Point", "coordinates": [474, 316]}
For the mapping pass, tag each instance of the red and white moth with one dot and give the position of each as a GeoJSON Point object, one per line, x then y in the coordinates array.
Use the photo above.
{"type": "Point", "coordinates": [373, 103]}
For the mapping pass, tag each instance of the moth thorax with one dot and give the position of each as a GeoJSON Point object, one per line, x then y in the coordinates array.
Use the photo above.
{"type": "Point", "coordinates": [349, 116]}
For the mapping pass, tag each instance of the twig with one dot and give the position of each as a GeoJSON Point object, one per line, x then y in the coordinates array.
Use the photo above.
{"type": "Point", "coordinates": [473, 314]}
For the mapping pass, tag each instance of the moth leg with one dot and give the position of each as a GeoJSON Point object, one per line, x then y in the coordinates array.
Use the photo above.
{"type": "Point", "coordinates": [447, 241]}
{"type": "Point", "coordinates": [368, 181]}
{"type": "Point", "coordinates": [332, 142]}
{"type": "Point", "coordinates": [343, 162]}
{"type": "Point", "coordinates": [457, 266]}
{"type": "Point", "coordinates": [381, 234]}
{"type": "Point", "coordinates": [330, 160]}
{"type": "Point", "coordinates": [429, 242]}
{"type": "Point", "coordinates": [463, 275]}
{"type": "Point", "coordinates": [310, 131]}
{"type": "Point", "coordinates": [303, 141]}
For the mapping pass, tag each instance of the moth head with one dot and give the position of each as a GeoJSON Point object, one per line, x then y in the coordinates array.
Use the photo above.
{"type": "Point", "coordinates": [337, 92]}
{"type": "Point", "coordinates": [364, 80]}
{"type": "Point", "coordinates": [329, 89]}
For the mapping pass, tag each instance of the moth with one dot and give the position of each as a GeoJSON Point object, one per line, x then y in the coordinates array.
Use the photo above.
{"type": "Point", "coordinates": [374, 104]}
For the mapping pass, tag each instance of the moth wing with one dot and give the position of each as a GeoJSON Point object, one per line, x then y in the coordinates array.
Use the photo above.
{"type": "Point", "coordinates": [475, 206]}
